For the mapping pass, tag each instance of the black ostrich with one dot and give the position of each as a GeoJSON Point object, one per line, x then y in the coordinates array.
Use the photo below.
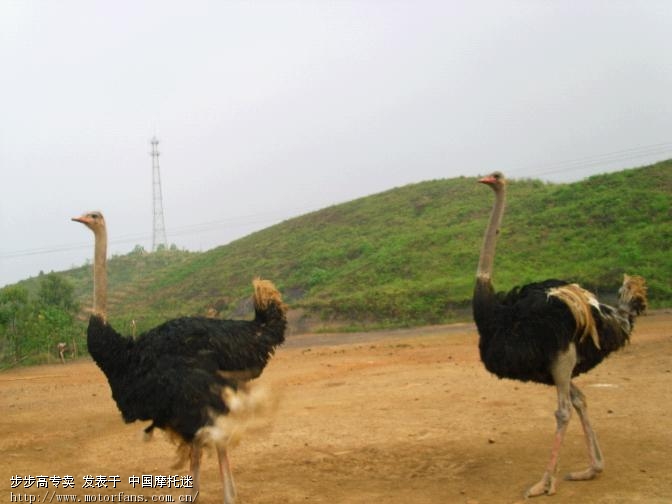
{"type": "Point", "coordinates": [549, 332]}
{"type": "Point", "coordinates": [184, 375]}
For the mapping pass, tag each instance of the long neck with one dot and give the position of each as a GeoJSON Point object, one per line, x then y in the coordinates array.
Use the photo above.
{"type": "Point", "coordinates": [487, 258]}
{"type": "Point", "coordinates": [100, 274]}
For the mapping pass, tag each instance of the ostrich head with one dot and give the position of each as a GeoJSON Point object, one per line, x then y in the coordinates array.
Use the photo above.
{"type": "Point", "coordinates": [495, 180]}
{"type": "Point", "coordinates": [93, 220]}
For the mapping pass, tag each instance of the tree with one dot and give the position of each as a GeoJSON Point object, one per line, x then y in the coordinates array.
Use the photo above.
{"type": "Point", "coordinates": [31, 328]}
{"type": "Point", "coordinates": [56, 309]}
{"type": "Point", "coordinates": [55, 291]}
{"type": "Point", "coordinates": [14, 309]}
{"type": "Point", "coordinates": [12, 299]}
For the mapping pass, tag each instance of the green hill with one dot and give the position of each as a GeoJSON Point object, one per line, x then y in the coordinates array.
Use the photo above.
{"type": "Point", "coordinates": [408, 256]}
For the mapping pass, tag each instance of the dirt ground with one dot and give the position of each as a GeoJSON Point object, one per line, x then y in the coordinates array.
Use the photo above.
{"type": "Point", "coordinates": [397, 417]}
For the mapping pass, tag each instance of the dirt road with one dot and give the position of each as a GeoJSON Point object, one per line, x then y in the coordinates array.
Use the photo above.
{"type": "Point", "coordinates": [398, 417]}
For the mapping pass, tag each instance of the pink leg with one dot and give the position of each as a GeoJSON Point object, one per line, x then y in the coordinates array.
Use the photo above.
{"type": "Point", "coordinates": [562, 375]}
{"type": "Point", "coordinates": [547, 483]}
{"type": "Point", "coordinates": [226, 475]}
{"type": "Point", "coordinates": [195, 467]}
{"type": "Point", "coordinates": [596, 460]}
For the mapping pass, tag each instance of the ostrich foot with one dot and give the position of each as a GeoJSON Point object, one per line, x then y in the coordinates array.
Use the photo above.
{"type": "Point", "coordinates": [545, 486]}
{"type": "Point", "coordinates": [584, 475]}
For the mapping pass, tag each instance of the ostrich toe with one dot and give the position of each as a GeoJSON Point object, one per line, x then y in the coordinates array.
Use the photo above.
{"type": "Point", "coordinates": [545, 486]}
{"type": "Point", "coordinates": [586, 474]}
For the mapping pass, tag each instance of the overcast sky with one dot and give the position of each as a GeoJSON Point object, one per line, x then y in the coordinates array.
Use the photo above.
{"type": "Point", "coordinates": [266, 110]}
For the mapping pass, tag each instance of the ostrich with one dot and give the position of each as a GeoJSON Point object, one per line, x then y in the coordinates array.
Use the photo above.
{"type": "Point", "coordinates": [549, 332]}
{"type": "Point", "coordinates": [62, 347]}
{"type": "Point", "coordinates": [184, 374]}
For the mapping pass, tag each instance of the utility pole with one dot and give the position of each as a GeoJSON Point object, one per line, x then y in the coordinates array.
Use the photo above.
{"type": "Point", "coordinates": [159, 235]}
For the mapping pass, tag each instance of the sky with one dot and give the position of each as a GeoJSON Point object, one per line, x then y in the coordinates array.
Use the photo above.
{"type": "Point", "coordinates": [266, 110]}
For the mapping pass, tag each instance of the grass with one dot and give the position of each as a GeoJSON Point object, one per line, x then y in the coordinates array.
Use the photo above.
{"type": "Point", "coordinates": [407, 256]}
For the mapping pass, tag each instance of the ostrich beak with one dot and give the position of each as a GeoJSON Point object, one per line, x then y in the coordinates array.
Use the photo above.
{"type": "Point", "coordinates": [487, 180]}
{"type": "Point", "coordinates": [84, 219]}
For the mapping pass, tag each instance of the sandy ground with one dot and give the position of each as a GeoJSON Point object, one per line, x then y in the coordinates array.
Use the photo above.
{"type": "Point", "coordinates": [397, 417]}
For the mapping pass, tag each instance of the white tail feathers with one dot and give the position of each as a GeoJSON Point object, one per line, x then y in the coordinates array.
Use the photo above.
{"type": "Point", "coordinates": [579, 301]}
{"type": "Point", "coordinates": [250, 408]}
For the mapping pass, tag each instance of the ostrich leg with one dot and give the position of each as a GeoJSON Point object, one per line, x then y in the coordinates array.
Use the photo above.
{"type": "Point", "coordinates": [596, 460]}
{"type": "Point", "coordinates": [195, 467]}
{"type": "Point", "coordinates": [226, 475]}
{"type": "Point", "coordinates": [562, 375]}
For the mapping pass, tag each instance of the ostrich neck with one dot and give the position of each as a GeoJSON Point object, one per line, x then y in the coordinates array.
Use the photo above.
{"type": "Point", "coordinates": [487, 258]}
{"type": "Point", "coordinates": [100, 275]}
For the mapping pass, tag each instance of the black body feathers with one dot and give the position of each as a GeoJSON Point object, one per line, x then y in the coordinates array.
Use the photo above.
{"type": "Point", "coordinates": [524, 330]}
{"type": "Point", "coordinates": [174, 374]}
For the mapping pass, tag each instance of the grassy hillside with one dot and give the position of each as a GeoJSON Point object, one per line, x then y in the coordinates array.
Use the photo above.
{"type": "Point", "coordinates": [408, 255]}
{"type": "Point", "coordinates": [129, 273]}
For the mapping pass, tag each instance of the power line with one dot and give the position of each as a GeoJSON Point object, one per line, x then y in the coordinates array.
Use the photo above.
{"type": "Point", "coordinates": [259, 218]}
{"type": "Point", "coordinates": [663, 148]}
{"type": "Point", "coordinates": [267, 217]}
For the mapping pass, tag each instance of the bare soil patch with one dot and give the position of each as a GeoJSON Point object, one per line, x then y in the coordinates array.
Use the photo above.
{"type": "Point", "coordinates": [391, 417]}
